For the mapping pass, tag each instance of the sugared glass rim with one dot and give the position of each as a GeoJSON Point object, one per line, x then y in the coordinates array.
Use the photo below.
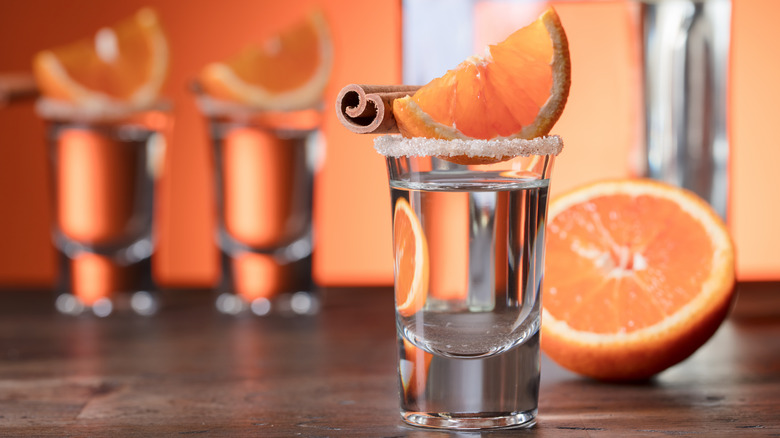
{"type": "Point", "coordinates": [398, 146]}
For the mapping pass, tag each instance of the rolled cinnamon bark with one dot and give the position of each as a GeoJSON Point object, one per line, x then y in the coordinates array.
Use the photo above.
{"type": "Point", "coordinates": [17, 86]}
{"type": "Point", "coordinates": [368, 109]}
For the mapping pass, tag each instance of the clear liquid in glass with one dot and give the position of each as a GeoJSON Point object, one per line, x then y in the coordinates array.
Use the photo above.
{"type": "Point", "coordinates": [472, 351]}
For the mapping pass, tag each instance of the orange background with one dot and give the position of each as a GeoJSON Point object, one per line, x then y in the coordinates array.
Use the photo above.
{"type": "Point", "coordinates": [351, 201]}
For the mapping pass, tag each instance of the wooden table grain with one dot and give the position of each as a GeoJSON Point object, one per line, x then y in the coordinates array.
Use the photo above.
{"type": "Point", "coordinates": [191, 371]}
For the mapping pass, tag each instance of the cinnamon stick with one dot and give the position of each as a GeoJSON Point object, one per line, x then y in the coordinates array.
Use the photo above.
{"type": "Point", "coordinates": [16, 86]}
{"type": "Point", "coordinates": [368, 109]}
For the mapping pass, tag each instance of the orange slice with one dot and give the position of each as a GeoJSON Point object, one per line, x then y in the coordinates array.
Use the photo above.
{"type": "Point", "coordinates": [126, 63]}
{"type": "Point", "coordinates": [289, 71]}
{"type": "Point", "coordinates": [638, 275]}
{"type": "Point", "coordinates": [518, 89]}
{"type": "Point", "coordinates": [411, 260]}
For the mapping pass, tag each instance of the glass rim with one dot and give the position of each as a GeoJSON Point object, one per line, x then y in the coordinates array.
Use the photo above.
{"type": "Point", "coordinates": [96, 111]}
{"type": "Point", "coordinates": [396, 146]}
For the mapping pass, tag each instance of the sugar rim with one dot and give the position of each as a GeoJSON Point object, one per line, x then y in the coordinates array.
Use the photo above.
{"type": "Point", "coordinates": [398, 146]}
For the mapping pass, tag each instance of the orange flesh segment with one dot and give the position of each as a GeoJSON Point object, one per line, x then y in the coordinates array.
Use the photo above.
{"type": "Point", "coordinates": [438, 98]}
{"type": "Point", "coordinates": [664, 266]}
{"type": "Point", "coordinates": [469, 107]}
{"type": "Point", "coordinates": [530, 50]}
{"type": "Point", "coordinates": [500, 118]}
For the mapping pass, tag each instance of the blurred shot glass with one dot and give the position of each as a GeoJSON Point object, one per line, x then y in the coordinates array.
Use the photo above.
{"type": "Point", "coordinates": [104, 169]}
{"type": "Point", "coordinates": [264, 167]}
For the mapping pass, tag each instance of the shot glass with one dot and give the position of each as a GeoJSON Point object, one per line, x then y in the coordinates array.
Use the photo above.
{"type": "Point", "coordinates": [468, 243]}
{"type": "Point", "coordinates": [264, 167]}
{"type": "Point", "coordinates": [104, 172]}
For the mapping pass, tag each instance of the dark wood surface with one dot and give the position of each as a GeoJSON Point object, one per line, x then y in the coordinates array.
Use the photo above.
{"type": "Point", "coordinates": [191, 371]}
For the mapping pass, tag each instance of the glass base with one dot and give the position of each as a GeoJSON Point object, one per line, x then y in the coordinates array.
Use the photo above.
{"type": "Point", "coordinates": [469, 421]}
{"type": "Point", "coordinates": [140, 302]}
{"type": "Point", "coordinates": [289, 304]}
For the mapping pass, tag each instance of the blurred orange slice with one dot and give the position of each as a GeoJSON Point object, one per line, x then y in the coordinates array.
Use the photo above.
{"type": "Point", "coordinates": [518, 89]}
{"type": "Point", "coordinates": [289, 71]}
{"type": "Point", "coordinates": [126, 63]}
{"type": "Point", "coordinates": [411, 260]}
{"type": "Point", "coordinates": [638, 275]}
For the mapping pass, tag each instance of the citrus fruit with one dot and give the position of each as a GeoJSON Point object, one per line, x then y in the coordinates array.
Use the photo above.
{"type": "Point", "coordinates": [639, 274]}
{"type": "Point", "coordinates": [288, 71]}
{"type": "Point", "coordinates": [411, 260]}
{"type": "Point", "coordinates": [126, 63]}
{"type": "Point", "coordinates": [518, 89]}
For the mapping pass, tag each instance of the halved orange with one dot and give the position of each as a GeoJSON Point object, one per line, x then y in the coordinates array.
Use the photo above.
{"type": "Point", "coordinates": [126, 63]}
{"type": "Point", "coordinates": [289, 71]}
{"type": "Point", "coordinates": [518, 89]}
{"type": "Point", "coordinates": [639, 274]}
{"type": "Point", "coordinates": [410, 249]}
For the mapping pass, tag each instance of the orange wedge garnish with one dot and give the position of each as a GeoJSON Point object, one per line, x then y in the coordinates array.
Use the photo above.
{"type": "Point", "coordinates": [518, 89]}
{"type": "Point", "coordinates": [125, 64]}
{"type": "Point", "coordinates": [639, 274]}
{"type": "Point", "coordinates": [289, 71]}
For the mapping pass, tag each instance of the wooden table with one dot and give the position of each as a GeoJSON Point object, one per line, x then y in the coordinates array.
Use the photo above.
{"type": "Point", "coordinates": [191, 371]}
